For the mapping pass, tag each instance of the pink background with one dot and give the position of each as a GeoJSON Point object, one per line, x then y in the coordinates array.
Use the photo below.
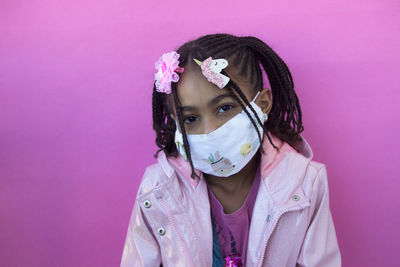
{"type": "Point", "coordinates": [75, 115]}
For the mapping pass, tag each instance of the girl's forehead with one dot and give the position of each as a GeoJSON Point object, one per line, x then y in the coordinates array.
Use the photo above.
{"type": "Point", "coordinates": [193, 87]}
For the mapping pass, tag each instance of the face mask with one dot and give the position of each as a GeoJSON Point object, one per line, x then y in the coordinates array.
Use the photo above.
{"type": "Point", "coordinates": [226, 150]}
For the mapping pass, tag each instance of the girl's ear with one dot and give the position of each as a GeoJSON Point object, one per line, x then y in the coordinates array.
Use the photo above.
{"type": "Point", "coordinates": [264, 100]}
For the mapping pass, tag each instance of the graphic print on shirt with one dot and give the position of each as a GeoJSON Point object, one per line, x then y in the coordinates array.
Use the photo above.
{"type": "Point", "coordinates": [222, 239]}
{"type": "Point", "coordinates": [220, 164]}
{"type": "Point", "coordinates": [218, 229]}
{"type": "Point", "coordinates": [233, 243]}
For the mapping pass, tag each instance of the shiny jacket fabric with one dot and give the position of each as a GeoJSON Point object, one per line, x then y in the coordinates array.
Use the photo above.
{"type": "Point", "coordinates": [291, 223]}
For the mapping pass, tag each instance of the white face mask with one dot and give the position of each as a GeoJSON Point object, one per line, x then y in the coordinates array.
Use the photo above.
{"type": "Point", "coordinates": [226, 150]}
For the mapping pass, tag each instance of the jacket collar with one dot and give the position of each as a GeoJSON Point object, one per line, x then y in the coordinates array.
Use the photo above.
{"type": "Point", "coordinates": [285, 181]}
{"type": "Point", "coordinates": [272, 157]}
{"type": "Point", "coordinates": [269, 160]}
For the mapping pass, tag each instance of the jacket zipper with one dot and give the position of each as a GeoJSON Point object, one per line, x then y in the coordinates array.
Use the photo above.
{"type": "Point", "coordinates": [273, 228]}
{"type": "Point", "coordinates": [187, 257]}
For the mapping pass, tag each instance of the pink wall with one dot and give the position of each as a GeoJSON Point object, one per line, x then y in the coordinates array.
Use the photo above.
{"type": "Point", "coordinates": [75, 115]}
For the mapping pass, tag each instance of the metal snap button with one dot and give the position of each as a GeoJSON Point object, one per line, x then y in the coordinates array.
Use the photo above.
{"type": "Point", "coordinates": [147, 203]}
{"type": "Point", "coordinates": [161, 231]}
{"type": "Point", "coordinates": [268, 218]}
{"type": "Point", "coordinates": [296, 198]}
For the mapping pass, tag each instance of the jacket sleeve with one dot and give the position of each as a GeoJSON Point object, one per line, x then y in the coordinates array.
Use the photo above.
{"type": "Point", "coordinates": [141, 247]}
{"type": "Point", "coordinates": [320, 246]}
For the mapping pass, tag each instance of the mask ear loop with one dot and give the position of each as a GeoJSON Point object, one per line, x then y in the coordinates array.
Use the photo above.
{"type": "Point", "coordinates": [177, 126]}
{"type": "Point", "coordinates": [256, 96]}
{"type": "Point", "coordinates": [265, 115]}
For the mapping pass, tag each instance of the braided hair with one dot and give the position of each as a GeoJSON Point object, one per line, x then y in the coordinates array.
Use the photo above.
{"type": "Point", "coordinates": [245, 54]}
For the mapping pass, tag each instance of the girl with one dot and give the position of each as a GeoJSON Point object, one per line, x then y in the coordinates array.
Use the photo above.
{"type": "Point", "coordinates": [234, 183]}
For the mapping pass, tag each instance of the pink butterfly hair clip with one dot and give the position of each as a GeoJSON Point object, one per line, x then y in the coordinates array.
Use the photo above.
{"type": "Point", "coordinates": [167, 67]}
{"type": "Point", "coordinates": [211, 69]}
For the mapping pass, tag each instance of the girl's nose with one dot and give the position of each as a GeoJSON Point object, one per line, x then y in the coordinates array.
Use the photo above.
{"type": "Point", "coordinates": [210, 125]}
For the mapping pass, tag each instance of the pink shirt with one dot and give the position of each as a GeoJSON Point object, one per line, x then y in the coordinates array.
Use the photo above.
{"type": "Point", "coordinates": [233, 229]}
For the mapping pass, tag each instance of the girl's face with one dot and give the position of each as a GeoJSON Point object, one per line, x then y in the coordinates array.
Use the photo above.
{"type": "Point", "coordinates": [205, 107]}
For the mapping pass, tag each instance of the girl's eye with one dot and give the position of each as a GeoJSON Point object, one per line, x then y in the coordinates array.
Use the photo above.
{"type": "Point", "coordinates": [189, 119]}
{"type": "Point", "coordinates": [225, 108]}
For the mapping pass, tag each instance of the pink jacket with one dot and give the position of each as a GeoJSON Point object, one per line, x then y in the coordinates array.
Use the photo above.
{"type": "Point", "coordinates": [291, 223]}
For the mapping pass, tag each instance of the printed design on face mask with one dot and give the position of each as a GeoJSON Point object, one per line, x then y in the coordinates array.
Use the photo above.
{"type": "Point", "coordinates": [245, 149]}
{"type": "Point", "coordinates": [181, 149]}
{"type": "Point", "coordinates": [220, 165]}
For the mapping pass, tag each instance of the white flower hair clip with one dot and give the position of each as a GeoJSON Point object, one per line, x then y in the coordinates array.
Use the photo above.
{"type": "Point", "coordinates": [211, 69]}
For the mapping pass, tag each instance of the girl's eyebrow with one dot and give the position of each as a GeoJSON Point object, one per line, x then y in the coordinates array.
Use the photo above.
{"type": "Point", "coordinates": [212, 102]}
{"type": "Point", "coordinates": [218, 98]}
{"type": "Point", "coordinates": [188, 108]}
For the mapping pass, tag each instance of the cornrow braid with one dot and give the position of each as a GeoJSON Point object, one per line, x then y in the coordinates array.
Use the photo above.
{"type": "Point", "coordinates": [163, 124]}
